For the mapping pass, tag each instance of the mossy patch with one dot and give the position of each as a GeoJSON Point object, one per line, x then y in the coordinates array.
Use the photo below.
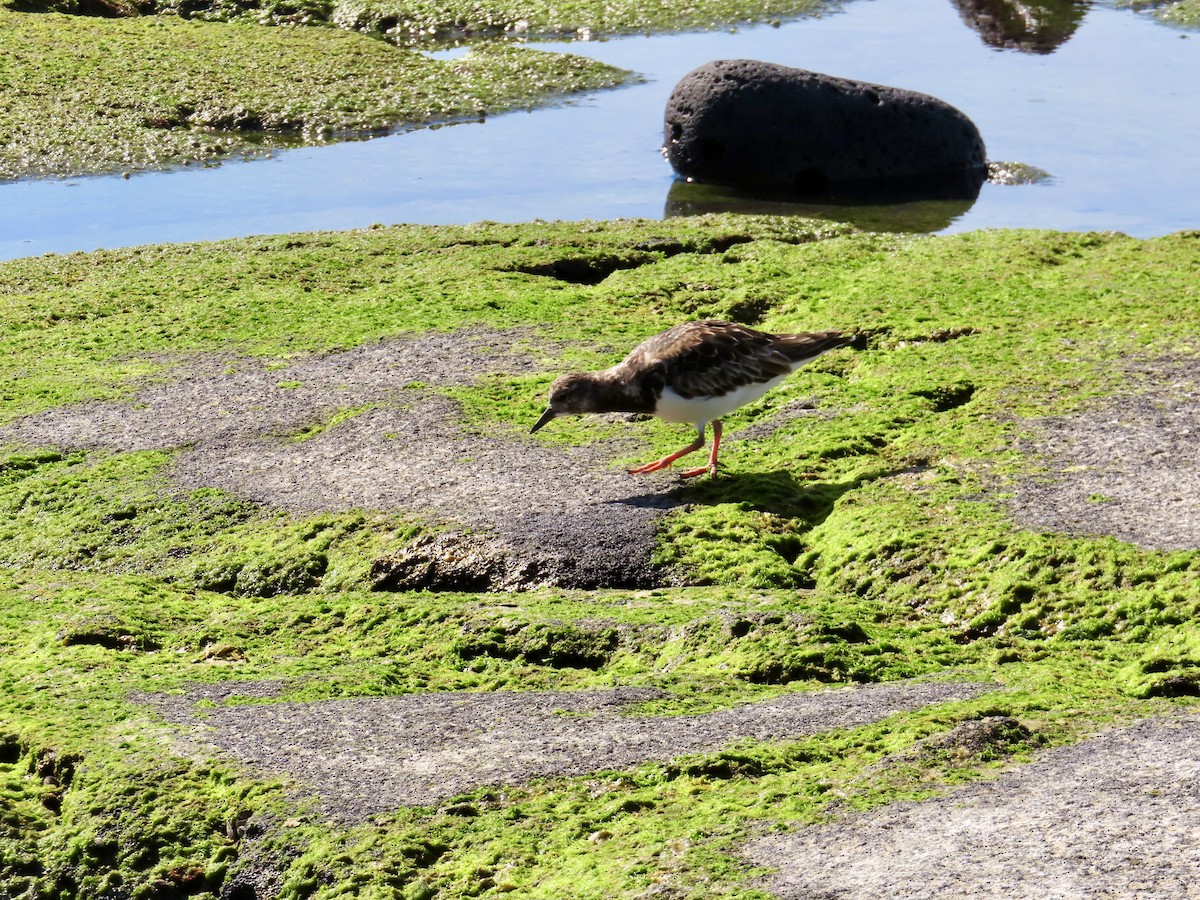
{"type": "Point", "coordinates": [123, 790]}
{"type": "Point", "coordinates": [456, 21]}
{"type": "Point", "coordinates": [116, 513]}
{"type": "Point", "coordinates": [1168, 667]}
{"type": "Point", "coordinates": [100, 95]}
{"type": "Point", "coordinates": [451, 20]}
{"type": "Point", "coordinates": [1181, 13]}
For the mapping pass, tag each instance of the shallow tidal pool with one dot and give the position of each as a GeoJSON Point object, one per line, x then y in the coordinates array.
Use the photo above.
{"type": "Point", "coordinates": [1107, 106]}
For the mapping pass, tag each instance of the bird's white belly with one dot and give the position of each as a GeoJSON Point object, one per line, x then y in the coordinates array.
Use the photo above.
{"type": "Point", "coordinates": [674, 408]}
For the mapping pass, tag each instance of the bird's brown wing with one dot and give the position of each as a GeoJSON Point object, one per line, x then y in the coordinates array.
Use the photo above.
{"type": "Point", "coordinates": [711, 358]}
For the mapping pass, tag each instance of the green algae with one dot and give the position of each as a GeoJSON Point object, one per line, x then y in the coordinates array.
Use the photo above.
{"type": "Point", "coordinates": [858, 536]}
{"type": "Point", "coordinates": [447, 20]}
{"type": "Point", "coordinates": [116, 317]}
{"type": "Point", "coordinates": [452, 20]}
{"type": "Point", "coordinates": [100, 95]}
{"type": "Point", "coordinates": [114, 513]}
{"type": "Point", "coordinates": [1185, 13]}
{"type": "Point", "coordinates": [1180, 13]}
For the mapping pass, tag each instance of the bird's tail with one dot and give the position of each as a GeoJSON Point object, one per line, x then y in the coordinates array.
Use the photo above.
{"type": "Point", "coordinates": [801, 348]}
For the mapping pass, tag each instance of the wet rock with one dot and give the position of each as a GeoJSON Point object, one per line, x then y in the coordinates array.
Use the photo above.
{"type": "Point", "coordinates": [759, 124]}
{"type": "Point", "coordinates": [1016, 173]}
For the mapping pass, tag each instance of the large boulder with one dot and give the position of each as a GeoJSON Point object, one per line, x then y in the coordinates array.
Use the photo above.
{"type": "Point", "coordinates": [759, 124]}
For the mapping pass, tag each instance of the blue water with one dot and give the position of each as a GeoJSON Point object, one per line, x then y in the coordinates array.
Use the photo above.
{"type": "Point", "coordinates": [1113, 115]}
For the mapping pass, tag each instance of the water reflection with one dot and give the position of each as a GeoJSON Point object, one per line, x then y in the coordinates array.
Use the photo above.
{"type": "Point", "coordinates": [919, 207]}
{"type": "Point", "coordinates": [1028, 27]}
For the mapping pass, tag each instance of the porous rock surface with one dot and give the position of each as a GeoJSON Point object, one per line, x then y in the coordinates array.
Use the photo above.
{"type": "Point", "coordinates": [365, 756]}
{"type": "Point", "coordinates": [1127, 467]}
{"type": "Point", "coordinates": [760, 124]}
{"type": "Point", "coordinates": [1114, 817]}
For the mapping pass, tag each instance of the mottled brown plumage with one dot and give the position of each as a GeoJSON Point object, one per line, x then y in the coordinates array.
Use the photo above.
{"type": "Point", "coordinates": [695, 372]}
{"type": "Point", "coordinates": [712, 358]}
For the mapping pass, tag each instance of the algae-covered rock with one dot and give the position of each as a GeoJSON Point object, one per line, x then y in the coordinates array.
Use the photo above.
{"type": "Point", "coordinates": [87, 94]}
{"type": "Point", "coordinates": [220, 448]}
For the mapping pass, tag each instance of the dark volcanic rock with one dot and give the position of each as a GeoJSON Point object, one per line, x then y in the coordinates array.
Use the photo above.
{"type": "Point", "coordinates": [759, 124]}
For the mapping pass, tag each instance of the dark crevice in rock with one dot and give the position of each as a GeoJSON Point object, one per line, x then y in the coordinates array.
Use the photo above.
{"type": "Point", "coordinates": [946, 397]}
{"type": "Point", "coordinates": [593, 270]}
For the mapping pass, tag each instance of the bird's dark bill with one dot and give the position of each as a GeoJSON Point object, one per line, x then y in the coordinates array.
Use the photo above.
{"type": "Point", "coordinates": [546, 417]}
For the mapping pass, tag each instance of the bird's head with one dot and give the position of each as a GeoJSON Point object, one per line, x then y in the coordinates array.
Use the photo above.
{"type": "Point", "coordinates": [570, 395]}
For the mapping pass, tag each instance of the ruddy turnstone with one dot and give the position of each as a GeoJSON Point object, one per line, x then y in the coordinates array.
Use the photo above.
{"type": "Point", "coordinates": [696, 372]}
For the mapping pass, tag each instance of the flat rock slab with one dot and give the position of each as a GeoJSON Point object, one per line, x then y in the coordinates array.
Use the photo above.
{"type": "Point", "coordinates": [367, 756]}
{"type": "Point", "coordinates": [1117, 816]}
{"type": "Point", "coordinates": [1129, 468]}
{"type": "Point", "coordinates": [552, 516]}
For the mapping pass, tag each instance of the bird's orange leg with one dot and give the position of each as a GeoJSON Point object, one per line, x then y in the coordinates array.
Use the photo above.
{"type": "Point", "coordinates": [712, 457]}
{"type": "Point", "coordinates": [667, 460]}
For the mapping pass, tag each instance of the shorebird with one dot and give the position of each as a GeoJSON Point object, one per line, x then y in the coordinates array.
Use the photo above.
{"type": "Point", "coordinates": [696, 372]}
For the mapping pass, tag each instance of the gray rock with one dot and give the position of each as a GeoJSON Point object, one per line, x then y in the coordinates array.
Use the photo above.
{"type": "Point", "coordinates": [1110, 818]}
{"type": "Point", "coordinates": [364, 756]}
{"type": "Point", "coordinates": [759, 124]}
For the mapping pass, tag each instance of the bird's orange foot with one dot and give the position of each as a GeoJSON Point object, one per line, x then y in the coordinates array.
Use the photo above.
{"type": "Point", "coordinates": [667, 460]}
{"type": "Point", "coordinates": [651, 467]}
{"type": "Point", "coordinates": [692, 473]}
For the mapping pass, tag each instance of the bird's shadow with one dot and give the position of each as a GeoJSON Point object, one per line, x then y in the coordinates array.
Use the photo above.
{"type": "Point", "coordinates": [804, 500]}
{"type": "Point", "coordinates": [780, 493]}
